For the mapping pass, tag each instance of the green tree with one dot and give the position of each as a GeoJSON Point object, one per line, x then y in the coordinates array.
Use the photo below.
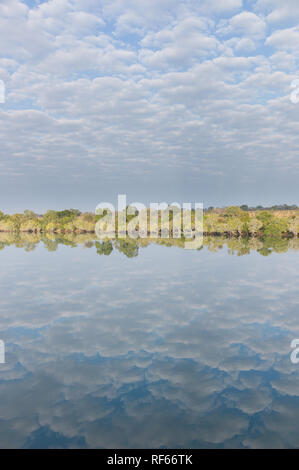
{"type": "Point", "coordinates": [104, 248]}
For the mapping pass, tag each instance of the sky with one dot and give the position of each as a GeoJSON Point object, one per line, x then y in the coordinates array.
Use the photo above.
{"type": "Point", "coordinates": [161, 100]}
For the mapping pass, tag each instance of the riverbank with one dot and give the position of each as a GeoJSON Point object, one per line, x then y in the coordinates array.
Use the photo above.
{"type": "Point", "coordinates": [228, 222]}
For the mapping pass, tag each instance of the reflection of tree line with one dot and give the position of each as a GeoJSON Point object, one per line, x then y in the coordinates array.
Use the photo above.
{"type": "Point", "coordinates": [130, 248]}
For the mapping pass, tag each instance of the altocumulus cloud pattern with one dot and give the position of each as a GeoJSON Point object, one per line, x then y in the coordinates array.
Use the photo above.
{"type": "Point", "coordinates": [150, 88]}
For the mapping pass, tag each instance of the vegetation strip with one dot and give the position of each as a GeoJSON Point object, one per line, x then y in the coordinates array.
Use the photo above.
{"type": "Point", "coordinates": [231, 221]}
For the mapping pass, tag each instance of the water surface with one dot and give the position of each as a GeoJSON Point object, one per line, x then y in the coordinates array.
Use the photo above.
{"type": "Point", "coordinates": [149, 347]}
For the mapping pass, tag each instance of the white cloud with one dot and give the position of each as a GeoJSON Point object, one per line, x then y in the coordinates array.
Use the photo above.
{"type": "Point", "coordinates": [285, 39]}
{"type": "Point", "coordinates": [12, 9]}
{"type": "Point", "coordinates": [284, 61]}
{"type": "Point", "coordinates": [245, 24]}
{"type": "Point", "coordinates": [278, 11]}
{"type": "Point", "coordinates": [241, 44]}
{"type": "Point", "coordinates": [189, 86]}
{"type": "Point", "coordinates": [179, 45]}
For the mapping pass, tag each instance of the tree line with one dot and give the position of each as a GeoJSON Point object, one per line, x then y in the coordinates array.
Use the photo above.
{"type": "Point", "coordinates": [232, 221]}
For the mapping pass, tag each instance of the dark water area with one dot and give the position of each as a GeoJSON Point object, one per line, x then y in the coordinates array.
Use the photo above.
{"type": "Point", "coordinates": [148, 345]}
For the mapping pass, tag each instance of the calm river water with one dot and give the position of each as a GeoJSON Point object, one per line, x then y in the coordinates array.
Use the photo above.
{"type": "Point", "coordinates": [168, 349]}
